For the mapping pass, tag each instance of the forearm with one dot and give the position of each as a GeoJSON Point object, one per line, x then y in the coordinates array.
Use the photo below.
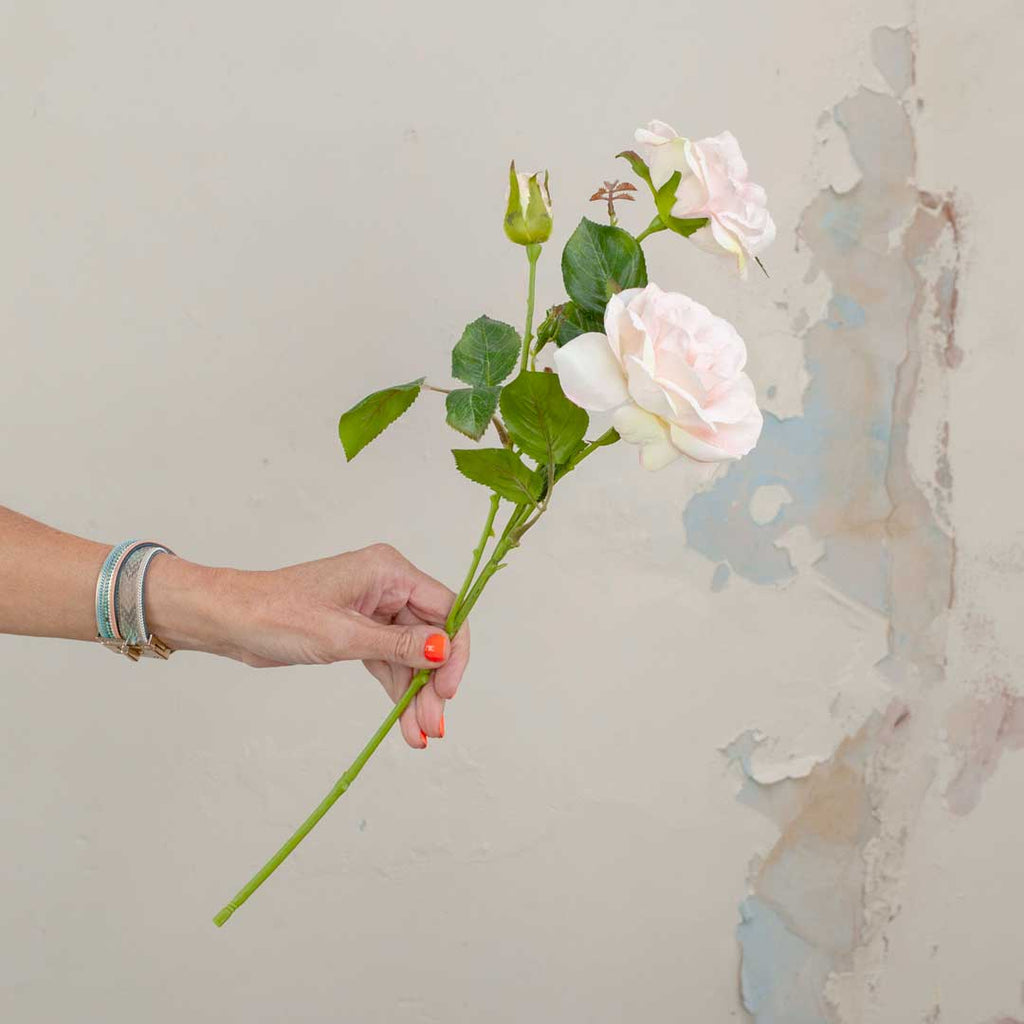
{"type": "Point", "coordinates": [48, 588]}
{"type": "Point", "coordinates": [47, 579]}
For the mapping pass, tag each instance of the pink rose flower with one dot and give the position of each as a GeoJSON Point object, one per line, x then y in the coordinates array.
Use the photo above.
{"type": "Point", "coordinates": [673, 373]}
{"type": "Point", "coordinates": [713, 184]}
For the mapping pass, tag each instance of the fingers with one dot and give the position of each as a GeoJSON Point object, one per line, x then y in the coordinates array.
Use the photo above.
{"type": "Point", "coordinates": [448, 675]}
{"type": "Point", "coordinates": [429, 599]}
{"type": "Point", "coordinates": [424, 716]}
{"type": "Point", "coordinates": [415, 645]}
{"type": "Point", "coordinates": [395, 679]}
{"type": "Point", "coordinates": [430, 711]}
{"type": "Point", "coordinates": [447, 678]}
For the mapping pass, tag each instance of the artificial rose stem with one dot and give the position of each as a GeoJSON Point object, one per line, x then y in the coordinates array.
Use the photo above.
{"type": "Point", "coordinates": [518, 523]}
{"type": "Point", "coordinates": [456, 617]}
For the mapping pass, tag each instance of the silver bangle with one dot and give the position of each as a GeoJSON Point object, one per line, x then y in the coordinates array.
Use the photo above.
{"type": "Point", "coordinates": [122, 624]}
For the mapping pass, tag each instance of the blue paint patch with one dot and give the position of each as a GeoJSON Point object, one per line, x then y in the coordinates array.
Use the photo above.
{"type": "Point", "coordinates": [782, 976]}
{"type": "Point", "coordinates": [741, 750]}
{"type": "Point", "coordinates": [843, 225]}
{"type": "Point", "coordinates": [845, 312]}
{"type": "Point", "coordinates": [721, 577]}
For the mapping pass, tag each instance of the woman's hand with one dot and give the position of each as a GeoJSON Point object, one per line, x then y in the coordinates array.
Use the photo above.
{"type": "Point", "coordinates": [372, 605]}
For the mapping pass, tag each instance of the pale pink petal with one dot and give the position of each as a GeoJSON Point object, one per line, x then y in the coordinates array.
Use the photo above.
{"type": "Point", "coordinates": [729, 441]}
{"type": "Point", "coordinates": [647, 392]}
{"type": "Point", "coordinates": [734, 403]}
{"type": "Point", "coordinates": [665, 160]}
{"type": "Point", "coordinates": [655, 133]}
{"type": "Point", "coordinates": [617, 324]}
{"type": "Point", "coordinates": [691, 197]}
{"type": "Point", "coordinates": [590, 374]}
{"type": "Point", "coordinates": [641, 428]}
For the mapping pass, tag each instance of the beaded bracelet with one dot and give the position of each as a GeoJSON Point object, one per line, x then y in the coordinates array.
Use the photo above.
{"type": "Point", "coordinates": [120, 601]}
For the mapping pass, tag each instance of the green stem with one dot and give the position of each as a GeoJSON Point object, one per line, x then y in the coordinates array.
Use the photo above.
{"type": "Point", "coordinates": [655, 226]}
{"type": "Point", "coordinates": [509, 539]}
{"type": "Point", "coordinates": [478, 551]}
{"type": "Point", "coordinates": [532, 254]}
{"type": "Point", "coordinates": [518, 522]}
{"type": "Point", "coordinates": [419, 680]}
{"type": "Point", "coordinates": [610, 436]}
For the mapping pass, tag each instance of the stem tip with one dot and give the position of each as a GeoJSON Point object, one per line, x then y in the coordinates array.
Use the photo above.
{"type": "Point", "coordinates": [223, 915]}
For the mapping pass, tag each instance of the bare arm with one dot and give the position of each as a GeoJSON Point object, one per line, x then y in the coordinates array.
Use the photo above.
{"type": "Point", "coordinates": [371, 605]}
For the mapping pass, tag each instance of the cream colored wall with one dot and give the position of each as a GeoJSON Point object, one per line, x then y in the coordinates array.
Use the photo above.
{"type": "Point", "coordinates": [222, 224]}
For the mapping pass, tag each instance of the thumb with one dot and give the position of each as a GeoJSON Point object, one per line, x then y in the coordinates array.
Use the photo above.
{"type": "Point", "coordinates": [419, 646]}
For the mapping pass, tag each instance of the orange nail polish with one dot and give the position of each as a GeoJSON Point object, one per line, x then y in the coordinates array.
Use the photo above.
{"type": "Point", "coordinates": [436, 647]}
{"type": "Point", "coordinates": [423, 736]}
{"type": "Point", "coordinates": [442, 727]}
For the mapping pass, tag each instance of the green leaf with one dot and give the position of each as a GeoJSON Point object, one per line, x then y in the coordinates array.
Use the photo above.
{"type": "Point", "coordinates": [565, 322]}
{"type": "Point", "coordinates": [486, 352]}
{"type": "Point", "coordinates": [598, 261]}
{"type": "Point", "coordinates": [665, 199]}
{"type": "Point", "coordinates": [501, 470]}
{"type": "Point", "coordinates": [471, 409]}
{"type": "Point", "coordinates": [363, 422]}
{"type": "Point", "coordinates": [540, 419]}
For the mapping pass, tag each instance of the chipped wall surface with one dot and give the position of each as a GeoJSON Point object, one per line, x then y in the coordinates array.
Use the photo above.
{"type": "Point", "coordinates": [746, 747]}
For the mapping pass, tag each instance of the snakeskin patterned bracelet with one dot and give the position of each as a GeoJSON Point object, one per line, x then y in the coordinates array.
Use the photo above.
{"type": "Point", "coordinates": [120, 601]}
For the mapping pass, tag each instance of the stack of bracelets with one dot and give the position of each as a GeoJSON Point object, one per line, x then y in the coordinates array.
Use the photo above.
{"type": "Point", "coordinates": [120, 597]}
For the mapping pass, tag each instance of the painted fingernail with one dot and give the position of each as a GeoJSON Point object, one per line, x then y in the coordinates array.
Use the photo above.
{"type": "Point", "coordinates": [423, 736]}
{"type": "Point", "coordinates": [442, 727]}
{"type": "Point", "coordinates": [436, 647]}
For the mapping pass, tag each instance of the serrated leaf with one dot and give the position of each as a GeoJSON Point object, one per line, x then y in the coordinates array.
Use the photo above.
{"type": "Point", "coordinates": [598, 261]}
{"type": "Point", "coordinates": [486, 352]}
{"type": "Point", "coordinates": [470, 410]}
{"type": "Point", "coordinates": [565, 322]}
{"type": "Point", "coordinates": [502, 471]}
{"type": "Point", "coordinates": [375, 413]}
{"type": "Point", "coordinates": [540, 419]}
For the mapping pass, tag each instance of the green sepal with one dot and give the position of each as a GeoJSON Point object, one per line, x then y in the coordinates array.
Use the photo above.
{"type": "Point", "coordinates": [664, 197]}
{"type": "Point", "coordinates": [598, 262]}
{"type": "Point", "coordinates": [374, 414]}
{"type": "Point", "coordinates": [540, 419]}
{"type": "Point", "coordinates": [502, 471]}
{"type": "Point", "coordinates": [640, 169]}
{"type": "Point", "coordinates": [565, 322]}
{"type": "Point", "coordinates": [486, 353]}
{"type": "Point", "coordinates": [469, 410]}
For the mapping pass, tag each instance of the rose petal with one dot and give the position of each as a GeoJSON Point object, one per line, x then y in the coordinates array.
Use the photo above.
{"type": "Point", "coordinates": [646, 392]}
{"type": "Point", "coordinates": [729, 441]}
{"type": "Point", "coordinates": [617, 324]}
{"type": "Point", "coordinates": [590, 374]}
{"type": "Point", "coordinates": [641, 428]}
{"type": "Point", "coordinates": [738, 398]}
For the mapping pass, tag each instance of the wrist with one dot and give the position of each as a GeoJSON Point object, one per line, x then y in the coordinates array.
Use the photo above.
{"type": "Point", "coordinates": [187, 604]}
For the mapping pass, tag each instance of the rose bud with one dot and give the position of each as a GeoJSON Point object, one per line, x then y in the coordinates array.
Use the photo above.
{"type": "Point", "coordinates": [528, 216]}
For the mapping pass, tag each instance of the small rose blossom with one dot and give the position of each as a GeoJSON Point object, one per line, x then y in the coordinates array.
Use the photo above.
{"type": "Point", "coordinates": [673, 373]}
{"type": "Point", "coordinates": [528, 207]}
{"type": "Point", "coordinates": [714, 184]}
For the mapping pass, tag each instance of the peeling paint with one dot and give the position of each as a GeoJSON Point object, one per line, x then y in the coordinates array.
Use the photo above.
{"type": "Point", "coordinates": [979, 730]}
{"type": "Point", "coordinates": [866, 473]}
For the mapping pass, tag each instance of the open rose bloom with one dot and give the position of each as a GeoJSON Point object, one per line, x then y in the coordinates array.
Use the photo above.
{"type": "Point", "coordinates": [673, 373]}
{"type": "Point", "coordinates": [714, 184]}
